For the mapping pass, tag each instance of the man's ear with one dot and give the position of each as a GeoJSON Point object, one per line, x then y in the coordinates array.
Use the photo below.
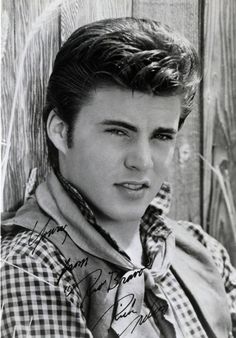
{"type": "Point", "coordinates": [57, 131]}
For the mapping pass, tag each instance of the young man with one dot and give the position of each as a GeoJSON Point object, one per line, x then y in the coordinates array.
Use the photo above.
{"type": "Point", "coordinates": [92, 253]}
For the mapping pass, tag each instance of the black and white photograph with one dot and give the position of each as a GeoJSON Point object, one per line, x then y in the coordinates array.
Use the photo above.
{"type": "Point", "coordinates": [118, 169]}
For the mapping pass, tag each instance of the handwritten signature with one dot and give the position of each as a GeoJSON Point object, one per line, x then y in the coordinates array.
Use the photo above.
{"type": "Point", "coordinates": [69, 266]}
{"type": "Point", "coordinates": [126, 304]}
{"type": "Point", "coordinates": [45, 233]}
{"type": "Point", "coordinates": [100, 283]}
{"type": "Point", "coordinates": [141, 319]}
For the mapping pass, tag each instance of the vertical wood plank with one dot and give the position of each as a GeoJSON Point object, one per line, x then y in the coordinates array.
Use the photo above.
{"type": "Point", "coordinates": [36, 27]}
{"type": "Point", "coordinates": [183, 16]}
{"type": "Point", "coordinates": [81, 12]}
{"type": "Point", "coordinates": [8, 73]}
{"type": "Point", "coordinates": [219, 108]}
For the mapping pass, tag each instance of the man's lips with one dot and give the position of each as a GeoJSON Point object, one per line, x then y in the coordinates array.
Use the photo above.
{"type": "Point", "coordinates": [134, 185]}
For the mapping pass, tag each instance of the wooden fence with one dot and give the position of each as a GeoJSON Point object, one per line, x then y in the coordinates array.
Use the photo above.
{"type": "Point", "coordinates": [203, 173]}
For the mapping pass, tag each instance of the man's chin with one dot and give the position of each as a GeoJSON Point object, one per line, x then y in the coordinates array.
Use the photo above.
{"type": "Point", "coordinates": [132, 215]}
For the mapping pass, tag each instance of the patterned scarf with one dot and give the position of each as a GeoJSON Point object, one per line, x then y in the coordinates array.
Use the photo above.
{"type": "Point", "coordinates": [154, 231]}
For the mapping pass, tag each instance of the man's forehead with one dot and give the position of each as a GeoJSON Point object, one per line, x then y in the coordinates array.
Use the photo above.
{"type": "Point", "coordinates": [136, 108]}
{"type": "Point", "coordinates": [106, 94]}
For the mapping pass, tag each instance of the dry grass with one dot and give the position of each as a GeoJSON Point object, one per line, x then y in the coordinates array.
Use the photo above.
{"type": "Point", "coordinates": [225, 186]}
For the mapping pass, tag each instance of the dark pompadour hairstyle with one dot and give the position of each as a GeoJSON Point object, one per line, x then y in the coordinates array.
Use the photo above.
{"type": "Point", "coordinates": [137, 54]}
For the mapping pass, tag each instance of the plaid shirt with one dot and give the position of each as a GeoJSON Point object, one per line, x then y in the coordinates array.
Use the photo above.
{"type": "Point", "coordinates": [33, 305]}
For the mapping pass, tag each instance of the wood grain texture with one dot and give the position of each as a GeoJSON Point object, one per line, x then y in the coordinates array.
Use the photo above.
{"type": "Point", "coordinates": [82, 12]}
{"type": "Point", "coordinates": [39, 40]}
{"type": "Point", "coordinates": [219, 108]}
{"type": "Point", "coordinates": [8, 79]}
{"type": "Point", "coordinates": [182, 15]}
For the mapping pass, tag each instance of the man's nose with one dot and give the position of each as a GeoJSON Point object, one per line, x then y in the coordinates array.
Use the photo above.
{"type": "Point", "coordinates": [139, 157]}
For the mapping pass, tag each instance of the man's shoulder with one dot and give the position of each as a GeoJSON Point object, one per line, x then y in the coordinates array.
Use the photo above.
{"type": "Point", "coordinates": [33, 262]}
{"type": "Point", "coordinates": [22, 247]}
{"type": "Point", "coordinates": [192, 233]}
{"type": "Point", "coordinates": [197, 233]}
{"type": "Point", "coordinates": [193, 230]}
{"type": "Point", "coordinates": [22, 241]}
{"type": "Point", "coordinates": [34, 285]}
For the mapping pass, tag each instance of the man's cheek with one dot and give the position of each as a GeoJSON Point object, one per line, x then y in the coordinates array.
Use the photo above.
{"type": "Point", "coordinates": [170, 155]}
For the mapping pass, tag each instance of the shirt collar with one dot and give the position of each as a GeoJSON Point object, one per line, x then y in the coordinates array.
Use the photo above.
{"type": "Point", "coordinates": [78, 198]}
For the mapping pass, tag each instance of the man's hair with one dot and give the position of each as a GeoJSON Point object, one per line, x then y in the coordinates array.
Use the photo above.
{"type": "Point", "coordinates": [136, 54]}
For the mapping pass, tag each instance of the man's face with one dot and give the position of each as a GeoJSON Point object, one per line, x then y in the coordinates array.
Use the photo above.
{"type": "Point", "coordinates": [123, 144]}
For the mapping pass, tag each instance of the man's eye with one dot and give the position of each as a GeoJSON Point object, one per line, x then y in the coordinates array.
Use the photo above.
{"type": "Point", "coordinates": [117, 132]}
{"type": "Point", "coordinates": [163, 137]}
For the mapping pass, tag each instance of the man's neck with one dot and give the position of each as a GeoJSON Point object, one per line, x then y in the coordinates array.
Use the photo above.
{"type": "Point", "coordinates": [127, 236]}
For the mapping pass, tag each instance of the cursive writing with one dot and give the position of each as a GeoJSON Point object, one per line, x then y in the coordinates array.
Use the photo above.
{"type": "Point", "coordinates": [127, 310]}
{"type": "Point", "coordinates": [69, 266]}
{"type": "Point", "coordinates": [126, 302]}
{"type": "Point", "coordinates": [115, 280]}
{"type": "Point", "coordinates": [94, 287]}
{"type": "Point", "coordinates": [100, 283]}
{"type": "Point", "coordinates": [124, 307]}
{"type": "Point", "coordinates": [141, 319]}
{"type": "Point", "coordinates": [45, 233]}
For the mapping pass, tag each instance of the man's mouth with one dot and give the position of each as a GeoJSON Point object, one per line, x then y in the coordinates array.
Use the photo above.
{"type": "Point", "coordinates": [133, 190]}
{"type": "Point", "coordinates": [135, 186]}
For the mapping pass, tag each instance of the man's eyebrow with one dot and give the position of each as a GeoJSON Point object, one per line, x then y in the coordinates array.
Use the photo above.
{"type": "Point", "coordinates": [165, 130]}
{"type": "Point", "coordinates": [135, 129]}
{"type": "Point", "coordinates": [119, 124]}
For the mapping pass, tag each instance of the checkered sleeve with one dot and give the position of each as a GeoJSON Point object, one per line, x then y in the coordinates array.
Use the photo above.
{"type": "Point", "coordinates": [34, 303]}
{"type": "Point", "coordinates": [222, 261]}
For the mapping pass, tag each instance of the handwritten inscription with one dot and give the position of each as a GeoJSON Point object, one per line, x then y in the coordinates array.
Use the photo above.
{"type": "Point", "coordinates": [71, 266]}
{"type": "Point", "coordinates": [44, 233]}
{"type": "Point", "coordinates": [107, 283]}
{"type": "Point", "coordinates": [115, 280]}
{"type": "Point", "coordinates": [125, 308]}
{"type": "Point", "coordinates": [95, 281]}
{"type": "Point", "coordinates": [141, 319]}
{"type": "Point", "coordinates": [126, 302]}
